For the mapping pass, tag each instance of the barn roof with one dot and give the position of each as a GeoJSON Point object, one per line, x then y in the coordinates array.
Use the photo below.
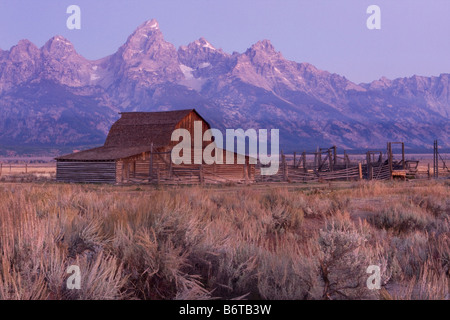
{"type": "Point", "coordinates": [134, 133]}
{"type": "Point", "coordinates": [104, 154]}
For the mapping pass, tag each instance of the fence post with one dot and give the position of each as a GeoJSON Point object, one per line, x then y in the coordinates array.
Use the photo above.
{"type": "Point", "coordinates": [334, 155]}
{"type": "Point", "coordinates": [26, 167]}
{"type": "Point", "coordinates": [403, 156]}
{"type": "Point", "coordinates": [1, 167]}
{"type": "Point", "coordinates": [436, 152]}
{"type": "Point", "coordinates": [170, 166]}
{"type": "Point", "coordinates": [330, 160]}
{"type": "Point", "coordinates": [360, 171]}
{"type": "Point", "coordinates": [369, 165]}
{"type": "Point", "coordinates": [286, 171]}
{"type": "Point", "coordinates": [319, 159]}
{"type": "Point", "coordinates": [346, 168]}
{"type": "Point", "coordinates": [429, 172]}
{"type": "Point", "coordinates": [304, 161]}
{"type": "Point", "coordinates": [316, 166]}
{"type": "Point", "coordinates": [284, 166]}
{"type": "Point", "coordinates": [151, 164]}
{"type": "Point", "coordinates": [246, 171]}
{"type": "Point", "coordinates": [434, 159]}
{"type": "Point", "coordinates": [390, 160]}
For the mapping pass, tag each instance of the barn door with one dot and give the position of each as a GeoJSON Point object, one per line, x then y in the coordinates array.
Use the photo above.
{"type": "Point", "coordinates": [124, 172]}
{"type": "Point", "coordinates": [128, 170]}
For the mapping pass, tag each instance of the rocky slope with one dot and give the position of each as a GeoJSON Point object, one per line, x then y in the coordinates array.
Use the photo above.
{"type": "Point", "coordinates": [53, 97]}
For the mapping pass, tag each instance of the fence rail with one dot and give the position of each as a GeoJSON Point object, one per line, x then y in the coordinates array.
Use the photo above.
{"type": "Point", "coordinates": [292, 173]}
{"type": "Point", "coordinates": [299, 167]}
{"type": "Point", "coordinates": [19, 168]}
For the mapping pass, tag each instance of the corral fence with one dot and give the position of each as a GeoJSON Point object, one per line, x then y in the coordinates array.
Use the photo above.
{"type": "Point", "coordinates": [321, 165]}
{"type": "Point", "coordinates": [325, 168]}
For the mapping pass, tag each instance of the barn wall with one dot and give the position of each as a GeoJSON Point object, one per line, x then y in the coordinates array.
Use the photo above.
{"type": "Point", "coordinates": [188, 124]}
{"type": "Point", "coordinates": [86, 172]}
{"type": "Point", "coordinates": [136, 169]}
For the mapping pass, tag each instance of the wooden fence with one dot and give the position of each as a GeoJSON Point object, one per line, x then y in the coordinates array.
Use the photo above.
{"type": "Point", "coordinates": [25, 168]}
{"type": "Point", "coordinates": [319, 166]}
{"type": "Point", "coordinates": [322, 169]}
{"type": "Point", "coordinates": [293, 174]}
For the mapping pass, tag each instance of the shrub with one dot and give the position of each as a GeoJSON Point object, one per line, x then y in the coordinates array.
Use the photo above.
{"type": "Point", "coordinates": [400, 219]}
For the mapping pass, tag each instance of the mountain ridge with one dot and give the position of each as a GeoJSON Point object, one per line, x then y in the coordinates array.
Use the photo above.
{"type": "Point", "coordinates": [258, 88]}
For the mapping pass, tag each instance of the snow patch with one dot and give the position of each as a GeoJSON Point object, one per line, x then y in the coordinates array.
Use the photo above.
{"type": "Point", "coordinates": [61, 39]}
{"type": "Point", "coordinates": [189, 80]}
{"type": "Point", "coordinates": [94, 77]}
{"type": "Point", "coordinates": [208, 45]}
{"type": "Point", "coordinates": [205, 44]}
{"type": "Point", "coordinates": [194, 83]}
{"type": "Point", "coordinates": [204, 65]}
{"type": "Point", "coordinates": [187, 71]}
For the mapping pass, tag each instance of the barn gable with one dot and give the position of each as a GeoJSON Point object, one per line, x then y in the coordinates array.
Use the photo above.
{"type": "Point", "coordinates": [145, 128]}
{"type": "Point", "coordinates": [136, 132]}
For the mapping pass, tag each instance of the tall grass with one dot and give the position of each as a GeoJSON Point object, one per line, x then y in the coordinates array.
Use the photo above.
{"type": "Point", "coordinates": [194, 243]}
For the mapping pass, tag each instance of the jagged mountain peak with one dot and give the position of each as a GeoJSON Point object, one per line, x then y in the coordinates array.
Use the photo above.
{"type": "Point", "coordinates": [263, 46]}
{"type": "Point", "coordinates": [201, 54]}
{"type": "Point", "coordinates": [146, 41]}
{"type": "Point", "coordinates": [204, 44]}
{"type": "Point", "coordinates": [58, 39]}
{"type": "Point", "coordinates": [25, 50]}
{"type": "Point", "coordinates": [263, 52]}
{"type": "Point", "coordinates": [149, 25]}
{"type": "Point", "coordinates": [149, 29]}
{"type": "Point", "coordinates": [200, 45]}
{"type": "Point", "coordinates": [24, 45]}
{"type": "Point", "coordinates": [58, 46]}
{"type": "Point", "coordinates": [146, 58]}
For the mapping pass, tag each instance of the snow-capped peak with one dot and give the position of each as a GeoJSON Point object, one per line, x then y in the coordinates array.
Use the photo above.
{"type": "Point", "coordinates": [147, 27]}
{"type": "Point", "coordinates": [204, 43]}
{"type": "Point", "coordinates": [154, 25]}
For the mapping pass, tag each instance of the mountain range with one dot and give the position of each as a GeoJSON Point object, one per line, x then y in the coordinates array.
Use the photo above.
{"type": "Point", "coordinates": [53, 100]}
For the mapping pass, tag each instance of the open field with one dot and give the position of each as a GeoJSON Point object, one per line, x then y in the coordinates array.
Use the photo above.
{"type": "Point", "coordinates": [273, 241]}
{"type": "Point", "coordinates": [25, 172]}
{"type": "Point", "coordinates": [12, 169]}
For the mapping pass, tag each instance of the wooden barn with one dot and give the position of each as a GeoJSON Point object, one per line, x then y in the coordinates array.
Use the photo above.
{"type": "Point", "coordinates": [138, 150]}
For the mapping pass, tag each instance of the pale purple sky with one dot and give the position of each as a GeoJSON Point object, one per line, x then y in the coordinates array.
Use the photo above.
{"type": "Point", "coordinates": [330, 34]}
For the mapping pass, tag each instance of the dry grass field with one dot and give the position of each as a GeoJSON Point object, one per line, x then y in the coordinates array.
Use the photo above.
{"type": "Point", "coordinates": [232, 242]}
{"type": "Point", "coordinates": [21, 172]}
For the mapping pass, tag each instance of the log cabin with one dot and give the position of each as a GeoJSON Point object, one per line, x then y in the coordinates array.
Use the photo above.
{"type": "Point", "coordinates": [138, 150]}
